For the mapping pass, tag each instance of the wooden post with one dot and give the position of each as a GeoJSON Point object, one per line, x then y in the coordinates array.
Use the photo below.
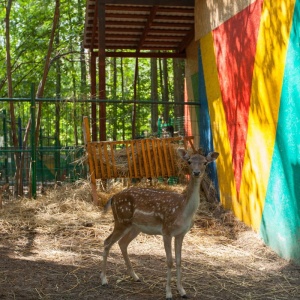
{"type": "Point", "coordinates": [101, 66]}
{"type": "Point", "coordinates": [93, 92]}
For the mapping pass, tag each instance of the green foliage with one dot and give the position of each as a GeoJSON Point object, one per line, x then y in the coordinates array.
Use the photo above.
{"type": "Point", "coordinates": [30, 29]}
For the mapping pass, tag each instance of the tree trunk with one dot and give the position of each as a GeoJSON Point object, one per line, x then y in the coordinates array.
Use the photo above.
{"type": "Point", "coordinates": [135, 98]}
{"type": "Point", "coordinates": [75, 128]}
{"type": "Point", "coordinates": [57, 110]}
{"type": "Point", "coordinates": [41, 87]}
{"type": "Point", "coordinates": [83, 80]}
{"type": "Point", "coordinates": [114, 96]}
{"type": "Point", "coordinates": [165, 90]}
{"type": "Point", "coordinates": [154, 95]}
{"type": "Point", "coordinates": [123, 96]}
{"type": "Point", "coordinates": [83, 69]}
{"type": "Point", "coordinates": [178, 69]}
{"type": "Point", "coordinates": [10, 95]}
{"type": "Point", "coordinates": [40, 91]}
{"type": "Point", "coordinates": [74, 103]}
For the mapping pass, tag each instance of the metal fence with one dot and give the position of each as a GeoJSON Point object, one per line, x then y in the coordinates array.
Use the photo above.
{"type": "Point", "coordinates": [42, 164]}
{"type": "Point", "coordinates": [48, 161]}
{"type": "Point", "coordinates": [52, 165]}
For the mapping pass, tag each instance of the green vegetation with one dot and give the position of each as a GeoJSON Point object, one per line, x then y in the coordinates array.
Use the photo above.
{"type": "Point", "coordinates": [30, 26]}
{"type": "Point", "coordinates": [41, 43]}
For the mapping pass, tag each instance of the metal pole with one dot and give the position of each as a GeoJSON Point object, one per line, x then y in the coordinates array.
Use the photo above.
{"type": "Point", "coordinates": [41, 154]}
{"type": "Point", "coordinates": [20, 132]}
{"type": "Point", "coordinates": [33, 144]}
{"type": "Point", "coordinates": [5, 145]}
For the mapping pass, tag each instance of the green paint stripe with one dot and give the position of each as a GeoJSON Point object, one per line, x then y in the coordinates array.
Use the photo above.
{"type": "Point", "coordinates": [280, 227]}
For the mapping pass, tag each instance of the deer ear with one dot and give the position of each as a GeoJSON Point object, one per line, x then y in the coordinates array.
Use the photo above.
{"type": "Point", "coordinates": [183, 154]}
{"type": "Point", "coordinates": [200, 151]}
{"type": "Point", "coordinates": [212, 156]}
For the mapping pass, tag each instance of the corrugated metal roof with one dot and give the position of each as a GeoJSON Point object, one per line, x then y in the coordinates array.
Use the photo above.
{"type": "Point", "coordinates": [141, 26]}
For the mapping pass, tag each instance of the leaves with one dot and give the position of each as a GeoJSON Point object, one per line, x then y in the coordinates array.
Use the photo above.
{"type": "Point", "coordinates": [68, 77]}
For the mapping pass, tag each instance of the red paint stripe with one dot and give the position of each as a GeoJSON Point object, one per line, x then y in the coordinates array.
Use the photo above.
{"type": "Point", "coordinates": [235, 46]}
{"type": "Point", "coordinates": [187, 122]}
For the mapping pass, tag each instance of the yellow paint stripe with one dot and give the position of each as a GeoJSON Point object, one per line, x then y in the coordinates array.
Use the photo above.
{"type": "Point", "coordinates": [265, 100]}
{"type": "Point", "coordinates": [218, 122]}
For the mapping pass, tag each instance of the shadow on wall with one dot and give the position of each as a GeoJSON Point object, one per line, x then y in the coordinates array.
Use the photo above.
{"type": "Point", "coordinates": [235, 47]}
{"type": "Point", "coordinates": [244, 84]}
{"type": "Point", "coordinates": [280, 226]}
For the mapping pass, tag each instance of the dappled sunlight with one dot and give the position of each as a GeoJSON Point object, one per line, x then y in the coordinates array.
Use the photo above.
{"type": "Point", "coordinates": [218, 123]}
{"type": "Point", "coordinates": [224, 165]}
{"type": "Point", "coordinates": [64, 258]}
{"type": "Point", "coordinates": [235, 46]}
{"type": "Point", "coordinates": [244, 62]}
{"type": "Point", "coordinates": [263, 117]}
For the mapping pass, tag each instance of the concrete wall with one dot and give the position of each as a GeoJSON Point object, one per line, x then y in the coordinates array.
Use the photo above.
{"type": "Point", "coordinates": [191, 92]}
{"type": "Point", "coordinates": [248, 86]}
{"type": "Point", "coordinates": [212, 13]}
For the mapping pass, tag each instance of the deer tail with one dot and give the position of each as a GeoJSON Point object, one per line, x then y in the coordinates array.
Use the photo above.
{"type": "Point", "coordinates": [107, 205]}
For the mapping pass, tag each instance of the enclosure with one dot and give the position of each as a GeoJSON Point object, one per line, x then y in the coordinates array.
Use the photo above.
{"type": "Point", "coordinates": [51, 247]}
{"type": "Point", "coordinates": [57, 148]}
{"type": "Point", "coordinates": [226, 73]}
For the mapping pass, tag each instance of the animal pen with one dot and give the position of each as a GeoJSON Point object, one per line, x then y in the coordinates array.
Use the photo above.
{"type": "Point", "coordinates": [60, 157]}
{"type": "Point", "coordinates": [136, 159]}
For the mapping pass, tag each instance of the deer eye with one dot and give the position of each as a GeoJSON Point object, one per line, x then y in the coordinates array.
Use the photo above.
{"type": "Point", "coordinates": [189, 162]}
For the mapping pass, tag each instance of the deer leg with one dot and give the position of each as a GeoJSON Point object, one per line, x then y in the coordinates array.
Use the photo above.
{"type": "Point", "coordinates": [113, 238]}
{"type": "Point", "coordinates": [168, 248]}
{"type": "Point", "coordinates": [178, 247]}
{"type": "Point", "coordinates": [123, 243]}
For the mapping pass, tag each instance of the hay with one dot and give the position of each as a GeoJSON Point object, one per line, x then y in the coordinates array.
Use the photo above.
{"type": "Point", "coordinates": [55, 242]}
{"type": "Point", "coordinates": [140, 157]}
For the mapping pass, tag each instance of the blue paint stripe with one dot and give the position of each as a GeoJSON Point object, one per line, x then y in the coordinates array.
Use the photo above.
{"type": "Point", "coordinates": [280, 227]}
{"type": "Point", "coordinates": [206, 139]}
{"type": "Point", "coordinates": [195, 81]}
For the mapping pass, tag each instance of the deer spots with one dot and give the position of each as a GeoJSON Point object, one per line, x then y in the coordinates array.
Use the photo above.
{"type": "Point", "coordinates": [148, 207]}
{"type": "Point", "coordinates": [159, 215]}
{"type": "Point", "coordinates": [122, 209]}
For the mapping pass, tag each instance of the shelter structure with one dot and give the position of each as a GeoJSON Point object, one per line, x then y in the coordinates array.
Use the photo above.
{"type": "Point", "coordinates": [242, 67]}
{"type": "Point", "coordinates": [133, 28]}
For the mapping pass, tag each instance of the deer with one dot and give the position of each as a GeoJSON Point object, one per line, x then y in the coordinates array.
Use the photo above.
{"type": "Point", "coordinates": [157, 212]}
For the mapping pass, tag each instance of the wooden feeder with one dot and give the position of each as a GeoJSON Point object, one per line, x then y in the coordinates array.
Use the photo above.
{"type": "Point", "coordinates": [142, 158]}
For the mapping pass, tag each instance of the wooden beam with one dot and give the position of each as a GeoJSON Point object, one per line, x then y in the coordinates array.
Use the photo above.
{"type": "Point", "coordinates": [152, 32]}
{"type": "Point", "coordinates": [147, 28]}
{"type": "Point", "coordinates": [145, 54]}
{"type": "Point", "coordinates": [187, 40]}
{"type": "Point", "coordinates": [180, 10]}
{"type": "Point", "coordinates": [94, 26]}
{"type": "Point", "coordinates": [151, 2]}
{"type": "Point", "coordinates": [143, 22]}
{"type": "Point", "coordinates": [186, 19]}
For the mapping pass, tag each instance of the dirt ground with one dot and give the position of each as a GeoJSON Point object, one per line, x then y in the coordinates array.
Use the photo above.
{"type": "Point", "coordinates": [51, 248]}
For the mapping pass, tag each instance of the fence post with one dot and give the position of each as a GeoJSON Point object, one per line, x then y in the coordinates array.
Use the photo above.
{"type": "Point", "coordinates": [5, 145]}
{"type": "Point", "coordinates": [33, 144]}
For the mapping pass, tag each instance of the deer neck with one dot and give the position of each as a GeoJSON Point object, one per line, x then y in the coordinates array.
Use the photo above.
{"type": "Point", "coordinates": [192, 197]}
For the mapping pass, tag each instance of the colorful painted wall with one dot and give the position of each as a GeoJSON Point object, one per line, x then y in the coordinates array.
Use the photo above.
{"type": "Point", "coordinates": [248, 85]}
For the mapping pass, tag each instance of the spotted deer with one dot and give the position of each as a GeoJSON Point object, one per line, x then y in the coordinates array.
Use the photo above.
{"type": "Point", "coordinates": [157, 212]}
